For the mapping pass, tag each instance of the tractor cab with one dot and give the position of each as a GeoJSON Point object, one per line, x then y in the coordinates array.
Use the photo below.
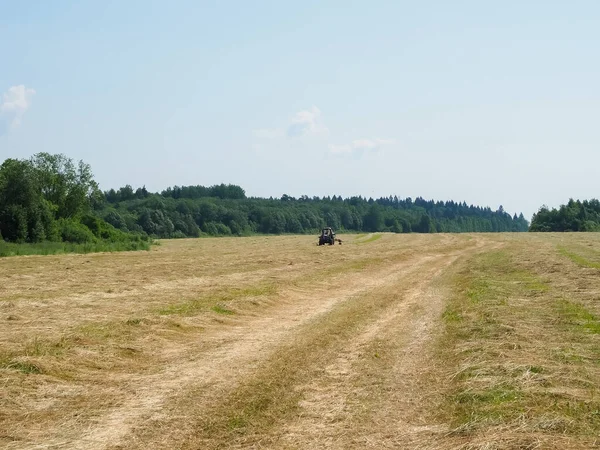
{"type": "Point", "coordinates": [327, 236]}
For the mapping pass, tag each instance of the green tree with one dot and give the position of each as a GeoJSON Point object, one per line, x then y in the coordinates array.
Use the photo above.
{"type": "Point", "coordinates": [426, 225]}
{"type": "Point", "coordinates": [24, 215]}
{"type": "Point", "coordinates": [66, 186]}
{"type": "Point", "coordinates": [373, 220]}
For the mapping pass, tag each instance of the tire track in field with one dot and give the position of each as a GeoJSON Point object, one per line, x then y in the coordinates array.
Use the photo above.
{"type": "Point", "coordinates": [369, 395]}
{"type": "Point", "coordinates": [207, 427]}
{"type": "Point", "coordinates": [226, 357]}
{"type": "Point", "coordinates": [234, 351]}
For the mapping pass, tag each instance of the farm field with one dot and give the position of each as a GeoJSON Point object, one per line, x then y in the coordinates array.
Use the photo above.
{"type": "Point", "coordinates": [474, 341]}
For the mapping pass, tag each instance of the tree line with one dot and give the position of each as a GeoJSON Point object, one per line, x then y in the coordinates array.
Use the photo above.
{"type": "Point", "coordinates": [223, 210]}
{"type": "Point", "coordinates": [51, 198]}
{"type": "Point", "coordinates": [576, 215]}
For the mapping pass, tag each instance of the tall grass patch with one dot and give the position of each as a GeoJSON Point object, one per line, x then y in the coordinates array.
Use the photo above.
{"type": "Point", "coordinates": [54, 248]}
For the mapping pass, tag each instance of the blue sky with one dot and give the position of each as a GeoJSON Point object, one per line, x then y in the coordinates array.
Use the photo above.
{"type": "Point", "coordinates": [466, 100]}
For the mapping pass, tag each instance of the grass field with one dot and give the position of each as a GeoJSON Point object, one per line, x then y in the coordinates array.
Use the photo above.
{"type": "Point", "coordinates": [56, 248]}
{"type": "Point", "coordinates": [471, 341]}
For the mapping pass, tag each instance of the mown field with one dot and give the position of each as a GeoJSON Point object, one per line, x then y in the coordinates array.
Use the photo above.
{"type": "Point", "coordinates": [474, 341]}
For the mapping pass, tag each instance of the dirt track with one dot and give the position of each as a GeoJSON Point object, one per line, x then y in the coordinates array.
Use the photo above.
{"type": "Point", "coordinates": [338, 360]}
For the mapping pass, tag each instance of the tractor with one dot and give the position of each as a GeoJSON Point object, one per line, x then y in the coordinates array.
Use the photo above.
{"type": "Point", "coordinates": [327, 237]}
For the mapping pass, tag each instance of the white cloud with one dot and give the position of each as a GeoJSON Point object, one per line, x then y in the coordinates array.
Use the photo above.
{"type": "Point", "coordinates": [303, 123]}
{"type": "Point", "coordinates": [15, 102]}
{"type": "Point", "coordinates": [268, 133]}
{"type": "Point", "coordinates": [360, 146]}
{"type": "Point", "coordinates": [306, 122]}
{"type": "Point", "coordinates": [340, 149]}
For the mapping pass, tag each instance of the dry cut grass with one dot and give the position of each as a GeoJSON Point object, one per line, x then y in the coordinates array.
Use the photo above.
{"type": "Point", "coordinates": [92, 346]}
{"type": "Point", "coordinates": [523, 340]}
{"type": "Point", "coordinates": [403, 341]}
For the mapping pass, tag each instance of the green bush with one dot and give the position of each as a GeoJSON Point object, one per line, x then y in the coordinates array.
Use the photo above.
{"type": "Point", "coordinates": [210, 228]}
{"type": "Point", "coordinates": [116, 220]}
{"type": "Point", "coordinates": [223, 230]}
{"type": "Point", "coordinates": [72, 231]}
